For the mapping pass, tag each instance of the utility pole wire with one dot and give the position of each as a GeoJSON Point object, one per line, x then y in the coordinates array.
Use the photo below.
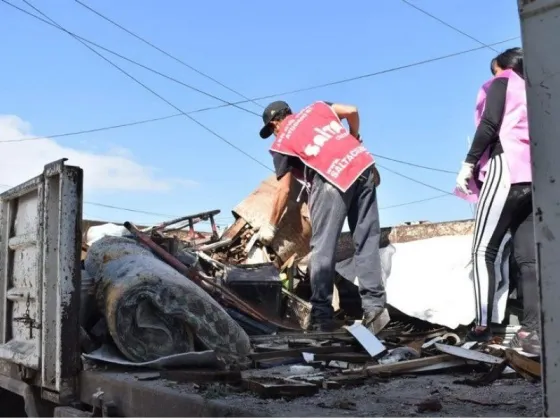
{"type": "Point", "coordinates": [148, 88]}
{"type": "Point", "coordinates": [448, 25]}
{"type": "Point", "coordinates": [173, 57]}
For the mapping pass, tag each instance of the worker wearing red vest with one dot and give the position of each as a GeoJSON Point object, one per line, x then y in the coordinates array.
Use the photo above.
{"type": "Point", "coordinates": [341, 179]}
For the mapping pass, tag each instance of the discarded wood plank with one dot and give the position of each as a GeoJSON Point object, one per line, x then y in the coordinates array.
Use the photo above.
{"type": "Point", "coordinates": [440, 366]}
{"type": "Point", "coordinates": [214, 245]}
{"type": "Point", "coordinates": [431, 342]}
{"type": "Point", "coordinates": [280, 387]}
{"type": "Point", "coordinates": [330, 384]}
{"type": "Point", "coordinates": [285, 338]}
{"type": "Point", "coordinates": [234, 230]}
{"type": "Point", "coordinates": [518, 351]}
{"type": "Point", "coordinates": [474, 355]}
{"type": "Point", "coordinates": [523, 365]}
{"type": "Point", "coordinates": [344, 380]}
{"type": "Point", "coordinates": [201, 376]}
{"type": "Point", "coordinates": [298, 352]}
{"type": "Point", "coordinates": [405, 366]}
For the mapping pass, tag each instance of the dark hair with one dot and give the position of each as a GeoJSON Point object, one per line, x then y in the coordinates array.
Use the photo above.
{"type": "Point", "coordinates": [282, 114]}
{"type": "Point", "coordinates": [511, 58]}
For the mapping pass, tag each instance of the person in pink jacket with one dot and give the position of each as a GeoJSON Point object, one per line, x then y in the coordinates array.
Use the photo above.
{"type": "Point", "coordinates": [496, 174]}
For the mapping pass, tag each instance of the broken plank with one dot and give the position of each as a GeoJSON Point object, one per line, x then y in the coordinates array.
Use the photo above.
{"type": "Point", "coordinates": [405, 366]}
{"type": "Point", "coordinates": [474, 355]}
{"type": "Point", "coordinates": [284, 338]}
{"type": "Point", "coordinates": [200, 376]}
{"type": "Point", "coordinates": [279, 387]}
{"type": "Point", "coordinates": [297, 352]}
{"type": "Point", "coordinates": [439, 366]}
{"type": "Point", "coordinates": [234, 230]}
{"type": "Point", "coordinates": [343, 380]}
{"type": "Point", "coordinates": [523, 365]}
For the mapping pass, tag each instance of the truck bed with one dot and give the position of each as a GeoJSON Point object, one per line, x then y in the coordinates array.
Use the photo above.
{"type": "Point", "coordinates": [143, 393]}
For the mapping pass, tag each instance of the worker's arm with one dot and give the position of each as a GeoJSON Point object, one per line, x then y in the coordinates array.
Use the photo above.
{"type": "Point", "coordinates": [376, 176]}
{"type": "Point", "coordinates": [281, 199]}
{"type": "Point", "coordinates": [489, 128]}
{"type": "Point", "coordinates": [350, 114]}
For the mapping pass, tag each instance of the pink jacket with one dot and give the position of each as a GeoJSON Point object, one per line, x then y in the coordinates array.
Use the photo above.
{"type": "Point", "coordinates": [514, 134]}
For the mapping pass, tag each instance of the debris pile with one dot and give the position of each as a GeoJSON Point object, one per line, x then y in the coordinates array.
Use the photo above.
{"type": "Point", "coordinates": [156, 298]}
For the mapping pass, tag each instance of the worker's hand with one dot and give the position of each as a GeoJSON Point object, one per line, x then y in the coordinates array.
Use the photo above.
{"type": "Point", "coordinates": [464, 176]}
{"type": "Point", "coordinates": [266, 233]}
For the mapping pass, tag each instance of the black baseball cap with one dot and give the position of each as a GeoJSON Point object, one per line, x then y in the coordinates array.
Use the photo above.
{"type": "Point", "coordinates": [268, 115]}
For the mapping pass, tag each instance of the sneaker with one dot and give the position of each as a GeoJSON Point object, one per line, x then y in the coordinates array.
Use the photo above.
{"type": "Point", "coordinates": [515, 342]}
{"type": "Point", "coordinates": [526, 340]}
{"type": "Point", "coordinates": [325, 327]}
{"type": "Point", "coordinates": [483, 336]}
{"type": "Point", "coordinates": [376, 320]}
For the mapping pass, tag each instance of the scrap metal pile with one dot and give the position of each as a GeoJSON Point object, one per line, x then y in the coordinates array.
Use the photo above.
{"type": "Point", "coordinates": [157, 294]}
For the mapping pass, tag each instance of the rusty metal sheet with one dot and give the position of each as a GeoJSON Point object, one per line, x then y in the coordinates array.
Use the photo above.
{"type": "Point", "coordinates": [294, 229]}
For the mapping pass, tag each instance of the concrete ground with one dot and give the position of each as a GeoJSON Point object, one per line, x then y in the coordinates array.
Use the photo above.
{"type": "Point", "coordinates": [412, 396]}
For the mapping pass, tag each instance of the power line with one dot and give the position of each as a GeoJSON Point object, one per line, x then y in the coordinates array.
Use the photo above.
{"type": "Point", "coordinates": [412, 179]}
{"type": "Point", "coordinates": [414, 164]}
{"type": "Point", "coordinates": [165, 52]}
{"type": "Point", "coordinates": [363, 76]}
{"type": "Point", "coordinates": [82, 40]}
{"type": "Point", "coordinates": [414, 202]}
{"type": "Point", "coordinates": [149, 89]}
{"type": "Point", "coordinates": [448, 25]}
{"type": "Point", "coordinates": [123, 57]}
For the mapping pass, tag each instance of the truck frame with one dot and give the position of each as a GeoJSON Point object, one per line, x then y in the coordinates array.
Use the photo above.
{"type": "Point", "coordinates": [40, 286]}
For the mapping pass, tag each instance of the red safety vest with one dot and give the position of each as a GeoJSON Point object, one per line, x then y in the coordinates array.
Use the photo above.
{"type": "Point", "coordinates": [318, 138]}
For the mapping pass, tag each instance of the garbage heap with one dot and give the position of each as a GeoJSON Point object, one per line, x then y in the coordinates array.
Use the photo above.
{"type": "Point", "coordinates": [164, 297]}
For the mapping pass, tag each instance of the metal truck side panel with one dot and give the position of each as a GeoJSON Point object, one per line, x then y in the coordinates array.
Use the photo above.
{"type": "Point", "coordinates": [40, 245]}
{"type": "Point", "coordinates": [540, 29]}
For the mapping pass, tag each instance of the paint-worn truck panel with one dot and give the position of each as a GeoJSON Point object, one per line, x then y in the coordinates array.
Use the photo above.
{"type": "Point", "coordinates": [40, 246]}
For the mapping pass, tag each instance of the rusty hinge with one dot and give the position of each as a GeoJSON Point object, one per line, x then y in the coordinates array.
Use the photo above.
{"type": "Point", "coordinates": [26, 318]}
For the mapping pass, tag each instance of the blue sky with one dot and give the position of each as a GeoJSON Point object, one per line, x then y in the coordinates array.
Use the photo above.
{"type": "Point", "coordinates": [422, 114]}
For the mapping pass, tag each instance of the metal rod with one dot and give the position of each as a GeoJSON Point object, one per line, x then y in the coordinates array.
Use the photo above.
{"type": "Point", "coordinates": [190, 273]}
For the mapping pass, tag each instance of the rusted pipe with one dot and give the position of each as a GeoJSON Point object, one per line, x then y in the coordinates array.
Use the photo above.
{"type": "Point", "coordinates": [193, 275]}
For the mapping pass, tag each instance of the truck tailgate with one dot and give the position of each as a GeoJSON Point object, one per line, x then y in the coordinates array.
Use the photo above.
{"type": "Point", "coordinates": [40, 245]}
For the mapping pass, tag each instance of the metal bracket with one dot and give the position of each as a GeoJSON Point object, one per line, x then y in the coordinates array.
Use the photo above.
{"type": "Point", "coordinates": [102, 408]}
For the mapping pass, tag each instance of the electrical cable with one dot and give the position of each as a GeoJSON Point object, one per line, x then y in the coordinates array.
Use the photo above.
{"type": "Point", "coordinates": [81, 39]}
{"type": "Point", "coordinates": [448, 25]}
{"type": "Point", "coordinates": [165, 52]}
{"type": "Point", "coordinates": [148, 88]}
{"type": "Point", "coordinates": [363, 76]}
{"type": "Point", "coordinates": [413, 179]}
{"type": "Point", "coordinates": [130, 60]}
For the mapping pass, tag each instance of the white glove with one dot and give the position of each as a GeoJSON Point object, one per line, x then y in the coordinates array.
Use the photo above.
{"type": "Point", "coordinates": [266, 233]}
{"type": "Point", "coordinates": [464, 176]}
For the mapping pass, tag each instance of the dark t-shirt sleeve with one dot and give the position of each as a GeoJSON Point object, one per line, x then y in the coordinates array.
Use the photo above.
{"type": "Point", "coordinates": [487, 131]}
{"type": "Point", "coordinates": [282, 164]}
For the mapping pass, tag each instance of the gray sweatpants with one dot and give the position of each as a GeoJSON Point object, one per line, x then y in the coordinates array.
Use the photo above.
{"type": "Point", "coordinates": [328, 210]}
